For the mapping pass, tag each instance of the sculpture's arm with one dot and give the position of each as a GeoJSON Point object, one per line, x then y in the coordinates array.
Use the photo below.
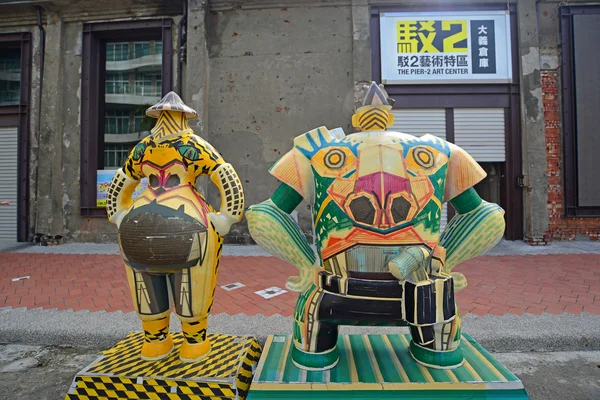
{"type": "Point", "coordinates": [209, 162]}
{"type": "Point", "coordinates": [232, 198]}
{"type": "Point", "coordinates": [273, 229]}
{"type": "Point", "coordinates": [476, 228]}
{"type": "Point", "coordinates": [123, 184]}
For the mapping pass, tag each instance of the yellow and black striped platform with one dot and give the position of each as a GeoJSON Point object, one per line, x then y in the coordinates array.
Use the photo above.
{"type": "Point", "coordinates": [120, 373]}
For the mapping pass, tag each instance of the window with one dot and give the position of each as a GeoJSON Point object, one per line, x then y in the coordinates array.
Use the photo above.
{"type": "Point", "coordinates": [581, 105]}
{"type": "Point", "coordinates": [148, 84]}
{"type": "Point", "coordinates": [15, 106]}
{"type": "Point", "coordinates": [119, 104]}
{"type": "Point", "coordinates": [142, 49]}
{"type": "Point", "coordinates": [116, 121]}
{"type": "Point", "coordinates": [119, 81]}
{"type": "Point", "coordinates": [115, 155]}
{"type": "Point", "coordinates": [10, 76]}
{"type": "Point", "coordinates": [117, 51]}
{"type": "Point", "coordinates": [138, 119]}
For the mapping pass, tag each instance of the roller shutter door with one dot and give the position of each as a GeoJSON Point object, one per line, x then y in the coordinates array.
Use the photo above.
{"type": "Point", "coordinates": [481, 132]}
{"type": "Point", "coordinates": [8, 184]}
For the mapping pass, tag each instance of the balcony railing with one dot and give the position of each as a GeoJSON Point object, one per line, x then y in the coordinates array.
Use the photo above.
{"type": "Point", "coordinates": [122, 130]}
{"type": "Point", "coordinates": [126, 88]}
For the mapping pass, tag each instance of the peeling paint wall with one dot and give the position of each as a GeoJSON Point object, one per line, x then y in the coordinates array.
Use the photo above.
{"type": "Point", "coordinates": [275, 74]}
{"type": "Point", "coordinates": [54, 207]}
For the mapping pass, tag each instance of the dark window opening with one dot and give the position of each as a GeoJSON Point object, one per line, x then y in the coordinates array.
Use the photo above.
{"type": "Point", "coordinates": [581, 105]}
{"type": "Point", "coordinates": [127, 67]}
{"type": "Point", "coordinates": [10, 77]}
{"type": "Point", "coordinates": [15, 106]}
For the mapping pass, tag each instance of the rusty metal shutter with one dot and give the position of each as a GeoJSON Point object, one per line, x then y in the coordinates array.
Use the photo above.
{"type": "Point", "coordinates": [418, 122]}
{"type": "Point", "coordinates": [8, 184]}
{"type": "Point", "coordinates": [481, 133]}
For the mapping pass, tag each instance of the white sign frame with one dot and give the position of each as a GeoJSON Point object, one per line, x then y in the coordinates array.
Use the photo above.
{"type": "Point", "coordinates": [503, 57]}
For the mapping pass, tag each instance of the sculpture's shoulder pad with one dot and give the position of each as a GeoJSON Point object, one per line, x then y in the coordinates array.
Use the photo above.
{"type": "Point", "coordinates": [317, 138]}
{"type": "Point", "coordinates": [436, 142]}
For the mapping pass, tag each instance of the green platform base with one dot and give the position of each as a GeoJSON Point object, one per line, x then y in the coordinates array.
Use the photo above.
{"type": "Point", "coordinates": [380, 367]}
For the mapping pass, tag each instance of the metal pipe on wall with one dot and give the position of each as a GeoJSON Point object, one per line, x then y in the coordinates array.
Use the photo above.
{"type": "Point", "coordinates": [181, 39]}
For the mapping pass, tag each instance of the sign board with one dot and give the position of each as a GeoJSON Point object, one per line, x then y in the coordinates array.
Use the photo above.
{"type": "Point", "coordinates": [445, 47]}
{"type": "Point", "coordinates": [104, 179]}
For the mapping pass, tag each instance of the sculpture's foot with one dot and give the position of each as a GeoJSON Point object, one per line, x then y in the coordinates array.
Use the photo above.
{"type": "Point", "coordinates": [158, 342]}
{"type": "Point", "coordinates": [192, 352]}
{"type": "Point", "coordinates": [152, 351]}
{"type": "Point", "coordinates": [315, 361]}
{"type": "Point", "coordinates": [447, 359]}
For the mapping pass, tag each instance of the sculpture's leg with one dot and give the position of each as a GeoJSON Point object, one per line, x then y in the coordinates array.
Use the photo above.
{"type": "Point", "coordinates": [151, 300]}
{"type": "Point", "coordinates": [437, 345]}
{"type": "Point", "coordinates": [193, 293]}
{"type": "Point", "coordinates": [315, 340]}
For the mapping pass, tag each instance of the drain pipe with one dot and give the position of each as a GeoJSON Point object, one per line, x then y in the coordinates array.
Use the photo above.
{"type": "Point", "coordinates": [181, 44]}
{"type": "Point", "coordinates": [39, 237]}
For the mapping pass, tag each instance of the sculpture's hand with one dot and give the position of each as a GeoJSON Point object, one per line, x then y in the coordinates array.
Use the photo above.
{"type": "Point", "coordinates": [232, 198]}
{"type": "Point", "coordinates": [118, 217]}
{"type": "Point", "coordinates": [305, 277]}
{"type": "Point", "coordinates": [410, 261]}
{"type": "Point", "coordinates": [222, 222]}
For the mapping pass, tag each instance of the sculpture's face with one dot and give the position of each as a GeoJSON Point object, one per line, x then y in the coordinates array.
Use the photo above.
{"type": "Point", "coordinates": [384, 187]}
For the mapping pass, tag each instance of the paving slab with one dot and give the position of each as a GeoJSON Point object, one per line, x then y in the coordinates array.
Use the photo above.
{"type": "Point", "coordinates": [498, 285]}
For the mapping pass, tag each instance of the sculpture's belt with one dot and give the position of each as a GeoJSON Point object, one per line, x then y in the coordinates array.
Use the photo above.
{"type": "Point", "coordinates": [427, 302]}
{"type": "Point", "coordinates": [390, 289]}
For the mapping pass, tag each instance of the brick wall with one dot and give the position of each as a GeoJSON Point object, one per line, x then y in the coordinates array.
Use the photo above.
{"type": "Point", "coordinates": [559, 226]}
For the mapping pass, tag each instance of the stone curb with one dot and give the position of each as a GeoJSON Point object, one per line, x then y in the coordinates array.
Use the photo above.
{"type": "Point", "coordinates": [100, 330]}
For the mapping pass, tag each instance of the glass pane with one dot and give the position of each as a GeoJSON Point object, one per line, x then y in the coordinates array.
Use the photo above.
{"type": "Point", "coordinates": [132, 84]}
{"type": "Point", "coordinates": [10, 77]}
{"type": "Point", "coordinates": [142, 49]}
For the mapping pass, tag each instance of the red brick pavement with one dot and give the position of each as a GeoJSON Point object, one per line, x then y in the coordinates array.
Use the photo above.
{"type": "Point", "coordinates": [496, 285]}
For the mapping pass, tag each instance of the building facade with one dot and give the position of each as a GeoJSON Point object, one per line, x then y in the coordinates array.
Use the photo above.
{"type": "Point", "coordinates": [511, 82]}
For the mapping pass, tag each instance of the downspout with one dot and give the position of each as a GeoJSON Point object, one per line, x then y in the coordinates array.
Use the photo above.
{"type": "Point", "coordinates": [181, 43]}
{"type": "Point", "coordinates": [39, 238]}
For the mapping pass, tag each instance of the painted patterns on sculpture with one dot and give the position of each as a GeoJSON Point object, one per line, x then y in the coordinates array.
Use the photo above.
{"type": "Point", "coordinates": [377, 198]}
{"type": "Point", "coordinates": [170, 237]}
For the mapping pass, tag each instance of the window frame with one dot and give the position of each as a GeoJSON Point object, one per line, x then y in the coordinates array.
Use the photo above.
{"type": "Point", "coordinates": [569, 123]}
{"type": "Point", "coordinates": [95, 36]}
{"type": "Point", "coordinates": [19, 115]}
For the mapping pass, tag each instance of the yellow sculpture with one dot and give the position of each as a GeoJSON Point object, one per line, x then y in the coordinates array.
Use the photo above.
{"type": "Point", "coordinates": [170, 236]}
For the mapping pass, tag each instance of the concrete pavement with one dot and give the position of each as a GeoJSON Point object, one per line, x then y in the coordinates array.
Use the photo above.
{"type": "Point", "coordinates": [45, 373]}
{"type": "Point", "coordinates": [564, 332]}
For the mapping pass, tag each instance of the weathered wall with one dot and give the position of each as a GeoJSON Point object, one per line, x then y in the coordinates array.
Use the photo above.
{"type": "Point", "coordinates": [532, 123]}
{"type": "Point", "coordinates": [560, 227]}
{"type": "Point", "coordinates": [276, 73]}
{"type": "Point", "coordinates": [55, 180]}
{"type": "Point", "coordinates": [261, 74]}
{"type": "Point", "coordinates": [24, 19]}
